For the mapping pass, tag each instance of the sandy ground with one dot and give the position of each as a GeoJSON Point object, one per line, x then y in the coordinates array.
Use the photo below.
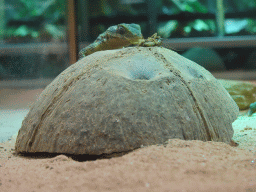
{"type": "Point", "coordinates": [178, 166]}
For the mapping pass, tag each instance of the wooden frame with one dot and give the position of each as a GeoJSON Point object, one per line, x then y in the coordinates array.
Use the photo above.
{"type": "Point", "coordinates": [72, 31]}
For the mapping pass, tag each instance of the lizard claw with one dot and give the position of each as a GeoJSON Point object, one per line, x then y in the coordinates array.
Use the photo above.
{"type": "Point", "coordinates": [154, 40]}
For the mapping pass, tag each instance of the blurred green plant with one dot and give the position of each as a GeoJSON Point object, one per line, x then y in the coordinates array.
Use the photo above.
{"type": "Point", "coordinates": [190, 6]}
{"type": "Point", "coordinates": [239, 5]}
{"type": "Point", "coordinates": [181, 28]}
{"type": "Point", "coordinates": [251, 27]}
{"type": "Point", "coordinates": [33, 19]}
{"type": "Point", "coordinates": [206, 27]}
{"type": "Point", "coordinates": [44, 20]}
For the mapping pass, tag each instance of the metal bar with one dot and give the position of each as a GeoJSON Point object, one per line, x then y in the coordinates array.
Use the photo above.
{"type": "Point", "coordinates": [39, 48]}
{"type": "Point", "coordinates": [220, 18]}
{"type": "Point", "coordinates": [25, 83]}
{"type": "Point", "coordinates": [177, 43]}
{"type": "Point", "coordinates": [84, 33]}
{"type": "Point", "coordinates": [213, 42]}
{"type": "Point", "coordinates": [236, 75]}
{"type": "Point", "coordinates": [152, 16]}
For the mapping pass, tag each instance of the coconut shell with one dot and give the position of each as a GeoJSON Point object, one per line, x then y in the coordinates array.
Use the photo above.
{"type": "Point", "coordinates": [118, 100]}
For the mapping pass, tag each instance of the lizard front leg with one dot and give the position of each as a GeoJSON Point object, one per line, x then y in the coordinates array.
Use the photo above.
{"type": "Point", "coordinates": [154, 40]}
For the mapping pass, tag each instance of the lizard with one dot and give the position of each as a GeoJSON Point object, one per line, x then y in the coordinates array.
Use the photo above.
{"type": "Point", "coordinates": [119, 36]}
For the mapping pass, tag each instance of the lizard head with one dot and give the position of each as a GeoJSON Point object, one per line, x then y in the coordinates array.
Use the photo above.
{"type": "Point", "coordinates": [129, 32]}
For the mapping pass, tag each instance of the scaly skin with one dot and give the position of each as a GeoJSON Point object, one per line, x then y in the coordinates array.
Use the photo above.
{"type": "Point", "coordinates": [119, 36]}
{"type": "Point", "coordinates": [115, 37]}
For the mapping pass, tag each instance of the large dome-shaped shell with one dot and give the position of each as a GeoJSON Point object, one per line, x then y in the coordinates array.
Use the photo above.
{"type": "Point", "coordinates": [117, 100]}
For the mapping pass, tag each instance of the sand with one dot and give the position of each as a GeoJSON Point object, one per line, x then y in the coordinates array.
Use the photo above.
{"type": "Point", "coordinates": [177, 166]}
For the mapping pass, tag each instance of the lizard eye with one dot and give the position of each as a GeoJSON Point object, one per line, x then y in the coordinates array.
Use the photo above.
{"type": "Point", "coordinates": [121, 30]}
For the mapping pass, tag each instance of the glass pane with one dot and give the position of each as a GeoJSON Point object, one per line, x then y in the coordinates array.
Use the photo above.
{"type": "Point", "coordinates": [240, 17]}
{"type": "Point", "coordinates": [192, 18]}
{"type": "Point", "coordinates": [177, 6]}
{"type": "Point", "coordinates": [33, 39]}
{"type": "Point", "coordinates": [180, 29]}
{"type": "Point", "coordinates": [100, 11]}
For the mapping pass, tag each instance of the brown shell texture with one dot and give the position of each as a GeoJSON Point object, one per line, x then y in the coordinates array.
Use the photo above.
{"type": "Point", "coordinates": [119, 100]}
